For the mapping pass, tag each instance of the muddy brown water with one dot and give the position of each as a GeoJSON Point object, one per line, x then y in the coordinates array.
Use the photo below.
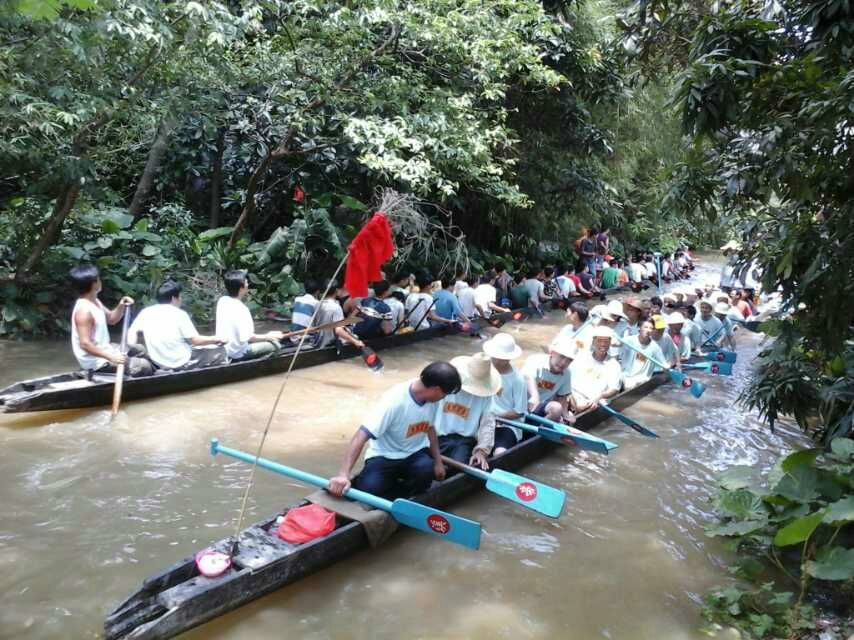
{"type": "Point", "coordinates": [90, 509]}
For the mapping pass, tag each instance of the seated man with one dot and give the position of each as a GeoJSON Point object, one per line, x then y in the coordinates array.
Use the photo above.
{"type": "Point", "coordinates": [447, 308]}
{"type": "Point", "coordinates": [486, 295]}
{"type": "Point", "coordinates": [235, 325]}
{"type": "Point", "coordinates": [170, 337]}
{"type": "Point", "coordinates": [609, 276]}
{"type": "Point", "coordinates": [633, 309]}
{"type": "Point", "coordinates": [565, 285]}
{"type": "Point", "coordinates": [665, 343]}
{"type": "Point", "coordinates": [577, 328]}
{"type": "Point", "coordinates": [519, 292]}
{"type": "Point", "coordinates": [638, 367]}
{"type": "Point", "coordinates": [711, 330]}
{"type": "Point", "coordinates": [595, 374]}
{"type": "Point", "coordinates": [548, 380]}
{"type": "Point", "coordinates": [511, 401]}
{"type": "Point", "coordinates": [535, 288]}
{"type": "Point", "coordinates": [376, 314]}
{"type": "Point", "coordinates": [90, 338]}
{"type": "Point", "coordinates": [419, 306]}
{"type": "Point", "coordinates": [465, 420]}
{"type": "Point", "coordinates": [727, 336]}
{"type": "Point", "coordinates": [403, 453]}
{"type": "Point", "coordinates": [466, 297]}
{"type": "Point", "coordinates": [681, 337]}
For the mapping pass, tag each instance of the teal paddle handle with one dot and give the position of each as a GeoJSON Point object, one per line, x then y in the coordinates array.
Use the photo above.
{"type": "Point", "coordinates": [636, 350]}
{"type": "Point", "coordinates": [296, 474]}
{"type": "Point", "coordinates": [714, 335]}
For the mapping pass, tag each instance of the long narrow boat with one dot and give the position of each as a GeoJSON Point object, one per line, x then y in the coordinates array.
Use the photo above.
{"type": "Point", "coordinates": [179, 598]}
{"type": "Point", "coordinates": [75, 390]}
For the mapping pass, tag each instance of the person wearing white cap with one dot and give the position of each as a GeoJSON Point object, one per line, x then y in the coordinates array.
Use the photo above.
{"type": "Point", "coordinates": [548, 380]}
{"type": "Point", "coordinates": [595, 375]}
{"type": "Point", "coordinates": [708, 323]}
{"type": "Point", "coordinates": [675, 326]}
{"type": "Point", "coordinates": [639, 367]}
{"type": "Point", "coordinates": [577, 327]}
{"type": "Point", "coordinates": [465, 420]}
{"type": "Point", "coordinates": [511, 401]}
{"type": "Point", "coordinates": [615, 308]}
{"type": "Point", "coordinates": [722, 311]}
{"type": "Point", "coordinates": [665, 342]}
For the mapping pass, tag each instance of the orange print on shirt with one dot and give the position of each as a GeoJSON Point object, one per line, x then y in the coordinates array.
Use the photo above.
{"type": "Point", "coordinates": [545, 384]}
{"type": "Point", "coordinates": [460, 410]}
{"type": "Point", "coordinates": [416, 428]}
{"type": "Point", "coordinates": [641, 357]}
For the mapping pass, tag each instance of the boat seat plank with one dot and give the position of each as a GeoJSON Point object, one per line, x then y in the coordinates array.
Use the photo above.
{"type": "Point", "coordinates": [259, 547]}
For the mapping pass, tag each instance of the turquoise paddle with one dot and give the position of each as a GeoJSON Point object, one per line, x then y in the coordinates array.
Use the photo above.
{"type": "Point", "coordinates": [562, 434]}
{"type": "Point", "coordinates": [412, 514]}
{"type": "Point", "coordinates": [717, 368]}
{"type": "Point", "coordinates": [528, 493]}
{"type": "Point", "coordinates": [721, 356]}
{"type": "Point", "coordinates": [694, 386]}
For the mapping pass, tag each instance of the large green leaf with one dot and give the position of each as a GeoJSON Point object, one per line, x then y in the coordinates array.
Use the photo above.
{"type": "Point", "coordinates": [213, 234]}
{"type": "Point", "coordinates": [738, 528]}
{"type": "Point", "coordinates": [839, 512]}
{"type": "Point", "coordinates": [832, 564]}
{"type": "Point", "coordinates": [843, 448]}
{"type": "Point", "coordinates": [799, 485]}
{"type": "Point", "coordinates": [741, 504]}
{"type": "Point", "coordinates": [114, 221]}
{"type": "Point", "coordinates": [798, 458]}
{"type": "Point", "coordinates": [799, 530]}
{"type": "Point", "coordinates": [737, 477]}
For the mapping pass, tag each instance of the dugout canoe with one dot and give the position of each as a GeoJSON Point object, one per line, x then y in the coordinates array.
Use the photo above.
{"type": "Point", "coordinates": [179, 598]}
{"type": "Point", "coordinates": [75, 390]}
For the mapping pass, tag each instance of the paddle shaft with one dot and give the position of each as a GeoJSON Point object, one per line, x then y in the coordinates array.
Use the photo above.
{"type": "Point", "coordinates": [426, 313]}
{"type": "Point", "coordinates": [296, 474]}
{"type": "Point", "coordinates": [472, 471]}
{"type": "Point", "coordinates": [714, 335]}
{"type": "Point", "coordinates": [653, 360]}
{"type": "Point", "coordinates": [406, 316]}
{"type": "Point", "coordinates": [120, 369]}
{"type": "Point", "coordinates": [321, 327]}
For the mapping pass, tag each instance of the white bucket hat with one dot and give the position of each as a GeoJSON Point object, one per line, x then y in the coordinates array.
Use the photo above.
{"type": "Point", "coordinates": [604, 332]}
{"type": "Point", "coordinates": [478, 376]}
{"type": "Point", "coordinates": [502, 346]}
{"type": "Point", "coordinates": [722, 308]}
{"type": "Point", "coordinates": [676, 318]}
{"type": "Point", "coordinates": [615, 308]}
{"type": "Point", "coordinates": [565, 347]}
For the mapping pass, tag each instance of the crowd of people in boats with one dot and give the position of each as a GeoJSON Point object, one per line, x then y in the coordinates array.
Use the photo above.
{"type": "Point", "coordinates": [452, 408]}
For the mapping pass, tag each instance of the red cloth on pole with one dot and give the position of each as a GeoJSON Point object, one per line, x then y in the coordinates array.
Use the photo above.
{"type": "Point", "coordinates": [369, 250]}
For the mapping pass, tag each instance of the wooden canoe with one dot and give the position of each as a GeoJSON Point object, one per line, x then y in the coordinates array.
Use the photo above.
{"type": "Point", "coordinates": [179, 598]}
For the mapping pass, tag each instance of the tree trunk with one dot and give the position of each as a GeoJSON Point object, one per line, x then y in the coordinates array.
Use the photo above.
{"type": "Point", "coordinates": [249, 204]}
{"type": "Point", "coordinates": [152, 165]}
{"type": "Point", "coordinates": [64, 204]}
{"type": "Point", "coordinates": [216, 182]}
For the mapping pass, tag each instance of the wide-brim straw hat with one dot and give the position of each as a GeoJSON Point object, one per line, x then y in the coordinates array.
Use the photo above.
{"type": "Point", "coordinates": [502, 346]}
{"type": "Point", "coordinates": [615, 308]}
{"type": "Point", "coordinates": [722, 307]}
{"type": "Point", "coordinates": [478, 376]}
{"type": "Point", "coordinates": [604, 332]}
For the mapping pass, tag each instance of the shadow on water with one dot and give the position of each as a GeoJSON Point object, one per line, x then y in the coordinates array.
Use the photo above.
{"type": "Point", "coordinates": [92, 508]}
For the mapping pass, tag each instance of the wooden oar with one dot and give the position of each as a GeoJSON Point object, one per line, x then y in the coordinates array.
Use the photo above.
{"type": "Point", "coordinates": [694, 386]}
{"type": "Point", "coordinates": [563, 434]}
{"type": "Point", "coordinates": [528, 493]}
{"type": "Point", "coordinates": [716, 368]}
{"type": "Point", "coordinates": [120, 370]}
{"type": "Point", "coordinates": [322, 327]}
{"type": "Point", "coordinates": [721, 356]}
{"type": "Point", "coordinates": [418, 516]}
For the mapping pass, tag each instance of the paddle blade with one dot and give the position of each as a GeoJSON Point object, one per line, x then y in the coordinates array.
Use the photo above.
{"type": "Point", "coordinates": [528, 493]}
{"type": "Point", "coordinates": [722, 356]}
{"type": "Point", "coordinates": [697, 388]}
{"type": "Point", "coordinates": [437, 523]}
{"type": "Point", "coordinates": [561, 433]}
{"type": "Point", "coordinates": [372, 360]}
{"type": "Point", "coordinates": [721, 368]}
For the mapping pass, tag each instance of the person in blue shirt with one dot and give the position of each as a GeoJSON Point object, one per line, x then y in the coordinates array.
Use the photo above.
{"type": "Point", "coordinates": [376, 314]}
{"type": "Point", "coordinates": [447, 307]}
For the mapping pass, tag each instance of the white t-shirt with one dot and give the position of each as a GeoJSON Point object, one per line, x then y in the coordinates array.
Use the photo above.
{"type": "Point", "coordinates": [638, 367]}
{"type": "Point", "coordinates": [398, 425]}
{"type": "Point", "coordinates": [581, 336]}
{"type": "Point", "coordinates": [461, 413]}
{"type": "Point", "coordinates": [549, 385]}
{"type": "Point", "coordinates": [303, 310]}
{"type": "Point", "coordinates": [592, 378]}
{"type": "Point", "coordinates": [668, 349]}
{"type": "Point", "coordinates": [484, 294]}
{"type": "Point", "coordinates": [566, 286]}
{"type": "Point", "coordinates": [100, 335]}
{"type": "Point", "coordinates": [423, 302]}
{"type": "Point", "coordinates": [459, 285]}
{"type": "Point", "coordinates": [167, 331]}
{"type": "Point", "coordinates": [466, 297]}
{"type": "Point", "coordinates": [330, 311]}
{"type": "Point", "coordinates": [512, 397]}
{"type": "Point", "coordinates": [397, 310]}
{"type": "Point", "coordinates": [535, 288]}
{"type": "Point", "coordinates": [234, 323]}
{"type": "Point", "coordinates": [709, 328]}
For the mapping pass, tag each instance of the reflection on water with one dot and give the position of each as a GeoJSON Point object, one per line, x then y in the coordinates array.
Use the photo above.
{"type": "Point", "coordinates": [91, 508]}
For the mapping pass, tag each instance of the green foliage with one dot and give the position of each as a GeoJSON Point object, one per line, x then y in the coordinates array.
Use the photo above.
{"type": "Point", "coordinates": [798, 523]}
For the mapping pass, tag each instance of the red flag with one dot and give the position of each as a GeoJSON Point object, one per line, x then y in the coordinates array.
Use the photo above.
{"type": "Point", "coordinates": [371, 247]}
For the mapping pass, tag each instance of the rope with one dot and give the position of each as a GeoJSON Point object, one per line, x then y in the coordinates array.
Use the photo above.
{"type": "Point", "coordinates": [234, 546]}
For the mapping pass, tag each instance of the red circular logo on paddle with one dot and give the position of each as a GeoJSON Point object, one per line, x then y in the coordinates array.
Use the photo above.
{"type": "Point", "coordinates": [438, 523]}
{"type": "Point", "coordinates": [686, 382]}
{"type": "Point", "coordinates": [526, 491]}
{"type": "Point", "coordinates": [715, 368]}
{"type": "Point", "coordinates": [721, 357]}
{"type": "Point", "coordinates": [372, 359]}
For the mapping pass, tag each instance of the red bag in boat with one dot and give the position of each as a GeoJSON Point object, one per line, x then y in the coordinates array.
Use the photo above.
{"type": "Point", "coordinates": [306, 523]}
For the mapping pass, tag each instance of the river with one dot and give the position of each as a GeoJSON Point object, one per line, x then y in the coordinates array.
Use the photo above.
{"type": "Point", "coordinates": [91, 508]}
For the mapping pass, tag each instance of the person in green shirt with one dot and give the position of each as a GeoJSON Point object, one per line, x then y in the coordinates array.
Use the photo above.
{"type": "Point", "coordinates": [609, 277]}
{"type": "Point", "coordinates": [519, 295]}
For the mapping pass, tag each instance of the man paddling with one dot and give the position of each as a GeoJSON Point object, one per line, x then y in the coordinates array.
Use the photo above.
{"type": "Point", "coordinates": [665, 342]}
{"type": "Point", "coordinates": [465, 420]}
{"type": "Point", "coordinates": [548, 379]}
{"type": "Point", "coordinates": [90, 338]}
{"type": "Point", "coordinates": [595, 375]}
{"type": "Point", "coordinates": [633, 308]}
{"type": "Point", "coordinates": [639, 367]}
{"type": "Point", "coordinates": [403, 449]}
{"type": "Point", "coordinates": [235, 325]}
{"type": "Point", "coordinates": [170, 337]}
{"type": "Point", "coordinates": [675, 326]}
{"type": "Point", "coordinates": [710, 326]}
{"type": "Point", "coordinates": [511, 401]}
{"type": "Point", "coordinates": [577, 328]}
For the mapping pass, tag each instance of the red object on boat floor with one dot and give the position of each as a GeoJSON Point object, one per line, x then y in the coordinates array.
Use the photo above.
{"type": "Point", "coordinates": [302, 524]}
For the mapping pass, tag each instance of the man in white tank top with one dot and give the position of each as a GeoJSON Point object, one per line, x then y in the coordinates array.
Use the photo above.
{"type": "Point", "coordinates": [90, 338]}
